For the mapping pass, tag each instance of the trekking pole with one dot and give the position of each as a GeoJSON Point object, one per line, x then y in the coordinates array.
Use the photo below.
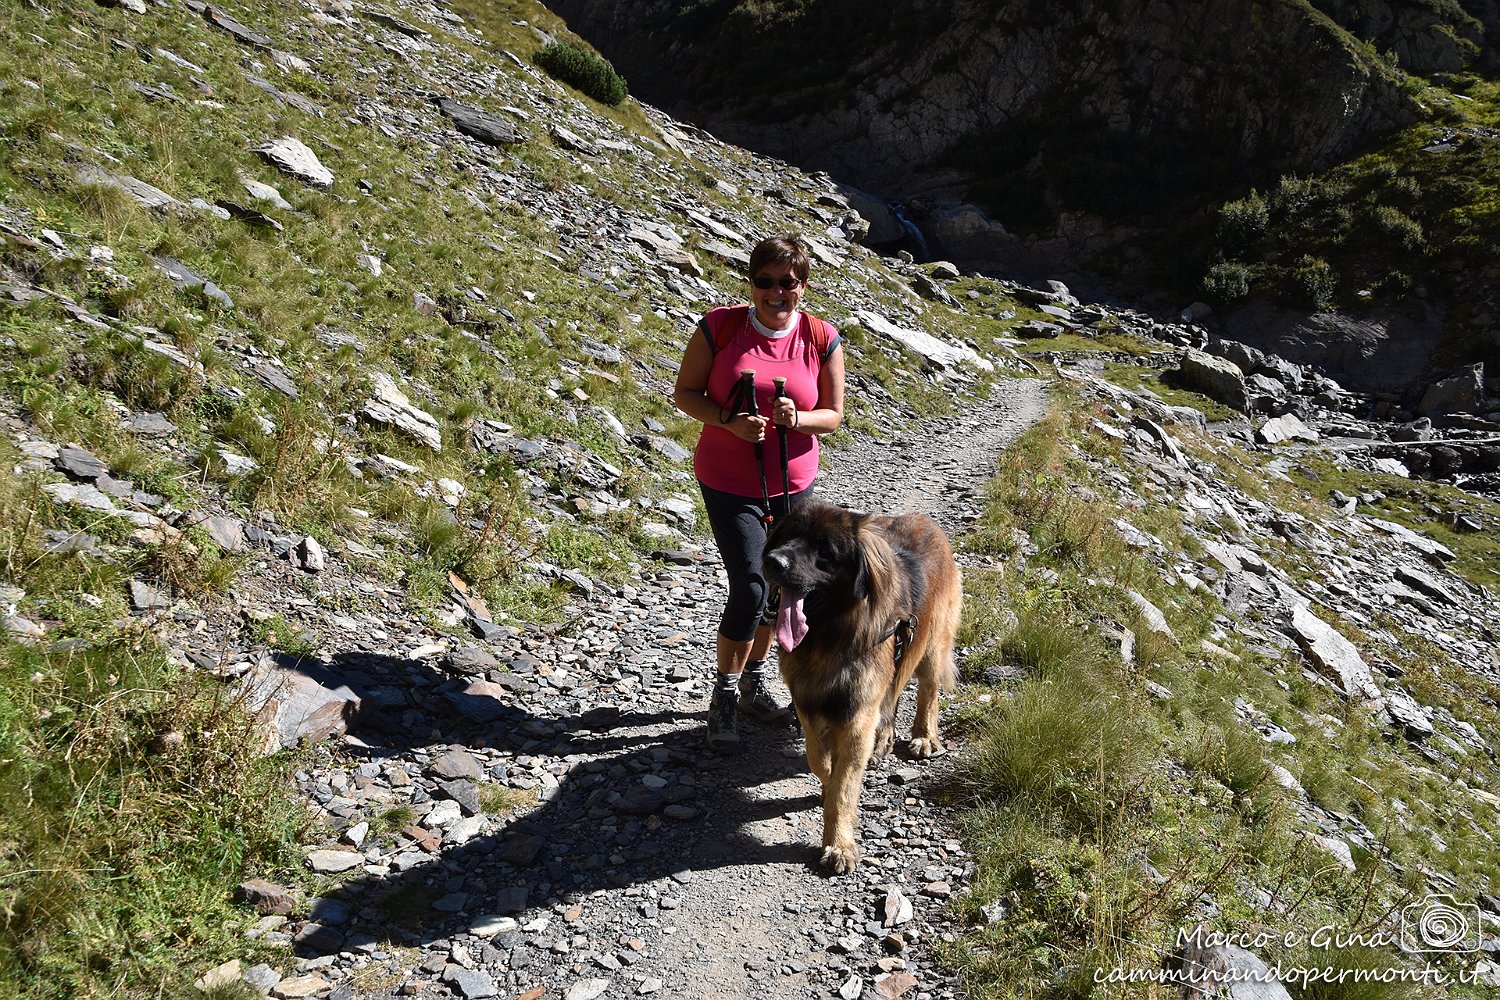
{"type": "Point", "coordinates": [786, 483]}
{"type": "Point", "coordinates": [747, 388]}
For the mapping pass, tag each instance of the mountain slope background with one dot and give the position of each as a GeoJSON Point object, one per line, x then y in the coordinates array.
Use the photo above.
{"type": "Point", "coordinates": [1108, 143]}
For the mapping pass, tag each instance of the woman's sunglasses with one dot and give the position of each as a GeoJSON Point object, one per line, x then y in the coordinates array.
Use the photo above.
{"type": "Point", "coordinates": [786, 281]}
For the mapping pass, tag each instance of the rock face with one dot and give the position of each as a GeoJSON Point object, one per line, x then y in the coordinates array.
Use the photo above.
{"type": "Point", "coordinates": [1368, 352]}
{"type": "Point", "coordinates": [1461, 393]}
{"type": "Point", "coordinates": [1011, 105]}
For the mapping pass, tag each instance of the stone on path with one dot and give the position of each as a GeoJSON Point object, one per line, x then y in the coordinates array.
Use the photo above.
{"type": "Point", "coordinates": [587, 989]}
{"type": "Point", "coordinates": [332, 862]}
{"type": "Point", "coordinates": [294, 706]}
{"type": "Point", "coordinates": [1286, 427]}
{"type": "Point", "coordinates": [457, 764]}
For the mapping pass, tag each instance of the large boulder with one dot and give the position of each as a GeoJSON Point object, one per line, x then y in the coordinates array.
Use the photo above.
{"type": "Point", "coordinates": [390, 406]}
{"type": "Point", "coordinates": [1217, 378]}
{"type": "Point", "coordinates": [1461, 393]}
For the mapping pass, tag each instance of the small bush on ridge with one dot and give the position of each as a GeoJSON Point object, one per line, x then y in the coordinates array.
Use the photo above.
{"type": "Point", "coordinates": [582, 69]}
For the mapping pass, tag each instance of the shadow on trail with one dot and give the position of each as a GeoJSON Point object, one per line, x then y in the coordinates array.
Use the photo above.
{"type": "Point", "coordinates": [640, 801]}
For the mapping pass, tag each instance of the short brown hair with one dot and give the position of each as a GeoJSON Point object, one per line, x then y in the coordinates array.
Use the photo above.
{"type": "Point", "coordinates": [780, 250]}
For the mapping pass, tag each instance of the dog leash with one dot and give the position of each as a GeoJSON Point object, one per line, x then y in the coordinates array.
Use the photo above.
{"type": "Point", "coordinates": [903, 630]}
{"type": "Point", "coordinates": [786, 482]}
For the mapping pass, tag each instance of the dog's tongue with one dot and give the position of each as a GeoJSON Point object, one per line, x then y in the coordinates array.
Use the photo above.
{"type": "Point", "coordinates": [791, 620]}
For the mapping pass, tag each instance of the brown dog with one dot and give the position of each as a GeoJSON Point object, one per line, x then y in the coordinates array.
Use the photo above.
{"type": "Point", "coordinates": [866, 602]}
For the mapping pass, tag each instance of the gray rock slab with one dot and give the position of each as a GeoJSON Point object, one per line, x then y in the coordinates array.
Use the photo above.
{"type": "Point", "coordinates": [1333, 655]}
{"type": "Point", "coordinates": [1425, 584]}
{"type": "Point", "coordinates": [144, 597]}
{"type": "Point", "coordinates": [1406, 715]}
{"type": "Point", "coordinates": [80, 464]}
{"type": "Point", "coordinates": [391, 407]}
{"type": "Point", "coordinates": [143, 194]}
{"type": "Point", "coordinates": [922, 343]}
{"type": "Point", "coordinates": [149, 425]}
{"type": "Point", "coordinates": [185, 277]}
{"type": "Point", "coordinates": [330, 862]}
{"type": "Point", "coordinates": [479, 124]}
{"type": "Point", "coordinates": [1286, 427]}
{"type": "Point", "coordinates": [233, 28]}
{"type": "Point", "coordinates": [481, 701]}
{"type": "Point", "coordinates": [291, 156]}
{"type": "Point", "coordinates": [456, 764]}
{"type": "Point", "coordinates": [293, 705]}
{"type": "Point", "coordinates": [473, 662]}
{"type": "Point", "coordinates": [465, 793]}
{"type": "Point", "coordinates": [1216, 378]}
{"type": "Point", "coordinates": [228, 533]}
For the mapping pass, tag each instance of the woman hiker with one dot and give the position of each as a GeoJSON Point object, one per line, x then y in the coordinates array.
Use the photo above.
{"type": "Point", "coordinates": [776, 340]}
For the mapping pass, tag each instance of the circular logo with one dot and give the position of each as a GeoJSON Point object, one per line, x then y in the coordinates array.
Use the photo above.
{"type": "Point", "coordinates": [1442, 926]}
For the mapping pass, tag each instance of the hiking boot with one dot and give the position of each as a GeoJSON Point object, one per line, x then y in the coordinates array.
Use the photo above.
{"type": "Point", "coordinates": [723, 720]}
{"type": "Point", "coordinates": [758, 703]}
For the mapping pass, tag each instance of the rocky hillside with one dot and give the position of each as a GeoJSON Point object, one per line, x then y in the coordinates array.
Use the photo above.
{"type": "Point", "coordinates": [1113, 145]}
{"type": "Point", "coordinates": [357, 605]}
{"type": "Point", "coordinates": [997, 119]}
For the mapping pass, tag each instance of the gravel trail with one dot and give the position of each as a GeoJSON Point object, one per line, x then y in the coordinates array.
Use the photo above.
{"type": "Point", "coordinates": [649, 867]}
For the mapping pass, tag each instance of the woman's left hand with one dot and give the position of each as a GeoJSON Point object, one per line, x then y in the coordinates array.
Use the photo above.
{"type": "Point", "coordinates": [784, 411]}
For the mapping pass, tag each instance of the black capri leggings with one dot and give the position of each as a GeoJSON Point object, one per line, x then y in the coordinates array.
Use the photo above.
{"type": "Point", "coordinates": [741, 536]}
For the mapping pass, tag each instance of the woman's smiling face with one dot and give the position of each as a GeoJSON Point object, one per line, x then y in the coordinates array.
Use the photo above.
{"type": "Point", "coordinates": [774, 306]}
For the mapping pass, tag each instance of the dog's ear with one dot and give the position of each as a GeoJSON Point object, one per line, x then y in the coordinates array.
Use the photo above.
{"type": "Point", "coordinates": [862, 584]}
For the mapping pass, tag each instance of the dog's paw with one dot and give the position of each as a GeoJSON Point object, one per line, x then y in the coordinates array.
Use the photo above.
{"type": "Point", "coordinates": [839, 860]}
{"type": "Point", "coordinates": [924, 747]}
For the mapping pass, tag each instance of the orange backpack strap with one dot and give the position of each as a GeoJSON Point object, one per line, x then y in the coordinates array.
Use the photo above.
{"type": "Point", "coordinates": [823, 342]}
{"type": "Point", "coordinates": [720, 325]}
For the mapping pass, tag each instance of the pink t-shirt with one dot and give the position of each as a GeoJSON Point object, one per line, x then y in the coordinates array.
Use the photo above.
{"type": "Point", "coordinates": [724, 462]}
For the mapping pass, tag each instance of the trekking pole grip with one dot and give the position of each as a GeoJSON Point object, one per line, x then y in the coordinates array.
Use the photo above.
{"type": "Point", "coordinates": [747, 385]}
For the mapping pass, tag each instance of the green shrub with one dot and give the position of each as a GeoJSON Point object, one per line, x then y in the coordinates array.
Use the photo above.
{"type": "Point", "coordinates": [1314, 279]}
{"type": "Point", "coordinates": [580, 68]}
{"type": "Point", "coordinates": [1227, 281]}
{"type": "Point", "coordinates": [1243, 222]}
{"type": "Point", "coordinates": [1399, 227]}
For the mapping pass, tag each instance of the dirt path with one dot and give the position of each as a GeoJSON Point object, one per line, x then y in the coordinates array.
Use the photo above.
{"type": "Point", "coordinates": [756, 920]}
{"type": "Point", "coordinates": [649, 867]}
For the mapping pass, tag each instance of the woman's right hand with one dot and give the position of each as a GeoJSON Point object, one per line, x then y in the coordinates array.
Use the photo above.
{"type": "Point", "coordinates": [747, 428]}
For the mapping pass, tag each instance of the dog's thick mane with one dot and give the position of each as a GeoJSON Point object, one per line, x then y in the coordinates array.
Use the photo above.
{"type": "Point", "coordinates": [860, 621]}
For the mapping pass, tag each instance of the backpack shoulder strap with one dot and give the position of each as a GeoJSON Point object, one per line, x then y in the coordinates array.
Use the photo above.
{"type": "Point", "coordinates": [824, 337]}
{"type": "Point", "coordinates": [721, 324]}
